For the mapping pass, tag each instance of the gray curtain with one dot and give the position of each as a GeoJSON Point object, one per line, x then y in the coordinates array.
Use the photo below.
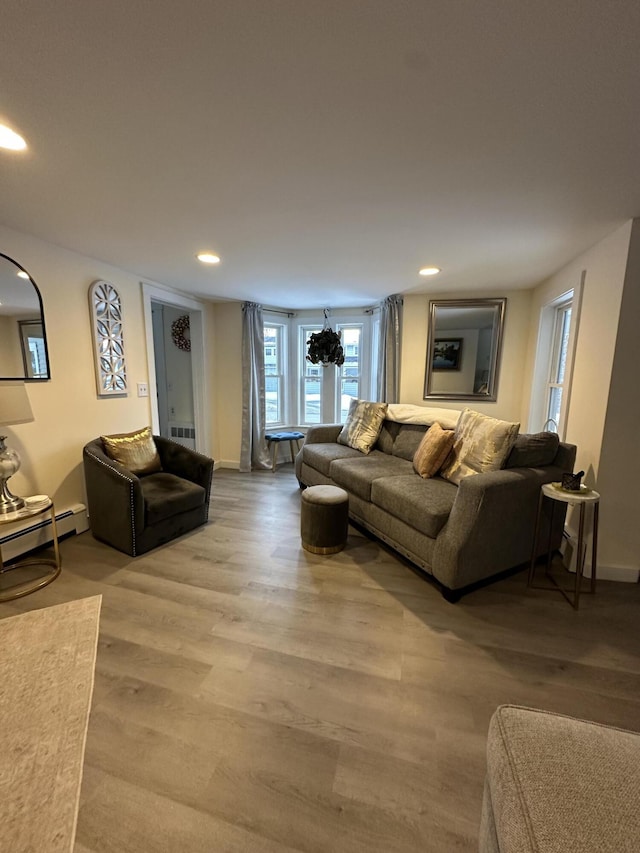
{"type": "Point", "coordinates": [388, 386]}
{"type": "Point", "coordinates": [254, 452]}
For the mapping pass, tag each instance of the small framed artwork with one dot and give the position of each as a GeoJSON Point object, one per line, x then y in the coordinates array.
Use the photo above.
{"type": "Point", "coordinates": [447, 353]}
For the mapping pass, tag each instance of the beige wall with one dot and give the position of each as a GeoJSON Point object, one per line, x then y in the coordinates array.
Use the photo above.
{"type": "Point", "coordinates": [67, 410]}
{"type": "Point", "coordinates": [508, 406]}
{"type": "Point", "coordinates": [227, 358]}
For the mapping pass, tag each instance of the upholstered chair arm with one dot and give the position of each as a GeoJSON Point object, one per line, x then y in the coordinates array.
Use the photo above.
{"type": "Point", "coordinates": [114, 498]}
{"type": "Point", "coordinates": [184, 462]}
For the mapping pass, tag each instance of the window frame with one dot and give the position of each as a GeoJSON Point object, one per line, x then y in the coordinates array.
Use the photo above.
{"type": "Point", "coordinates": [281, 376]}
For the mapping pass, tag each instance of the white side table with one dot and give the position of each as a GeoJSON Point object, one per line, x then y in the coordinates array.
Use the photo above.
{"type": "Point", "coordinates": [54, 566]}
{"type": "Point", "coordinates": [582, 498]}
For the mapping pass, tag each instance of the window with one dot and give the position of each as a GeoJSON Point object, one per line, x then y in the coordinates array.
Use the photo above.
{"type": "Point", "coordinates": [351, 370]}
{"type": "Point", "coordinates": [558, 365]}
{"type": "Point", "coordinates": [274, 373]}
{"type": "Point", "coordinates": [299, 393]}
{"type": "Point", "coordinates": [551, 386]}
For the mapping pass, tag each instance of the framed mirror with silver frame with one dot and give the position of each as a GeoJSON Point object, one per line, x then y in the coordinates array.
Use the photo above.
{"type": "Point", "coordinates": [24, 354]}
{"type": "Point", "coordinates": [463, 349]}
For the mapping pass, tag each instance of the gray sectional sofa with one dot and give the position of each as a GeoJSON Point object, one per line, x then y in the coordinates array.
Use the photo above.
{"type": "Point", "coordinates": [461, 535]}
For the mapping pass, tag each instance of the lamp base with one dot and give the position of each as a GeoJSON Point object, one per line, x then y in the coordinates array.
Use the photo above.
{"type": "Point", "coordinates": [9, 464]}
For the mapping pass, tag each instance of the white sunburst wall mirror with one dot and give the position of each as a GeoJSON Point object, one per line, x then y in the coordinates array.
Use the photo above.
{"type": "Point", "coordinates": [108, 339]}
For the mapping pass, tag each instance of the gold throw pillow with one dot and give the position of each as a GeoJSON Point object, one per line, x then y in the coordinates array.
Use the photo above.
{"type": "Point", "coordinates": [135, 450]}
{"type": "Point", "coordinates": [480, 444]}
{"type": "Point", "coordinates": [433, 450]}
{"type": "Point", "coordinates": [363, 425]}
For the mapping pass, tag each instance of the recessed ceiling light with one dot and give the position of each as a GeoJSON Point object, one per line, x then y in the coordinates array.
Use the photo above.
{"type": "Point", "coordinates": [10, 139]}
{"type": "Point", "coordinates": [208, 258]}
{"type": "Point", "coordinates": [429, 271]}
{"type": "Point", "coordinates": [23, 274]}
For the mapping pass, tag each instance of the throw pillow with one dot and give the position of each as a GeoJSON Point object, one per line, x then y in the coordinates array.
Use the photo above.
{"type": "Point", "coordinates": [363, 425]}
{"type": "Point", "coordinates": [433, 451]}
{"type": "Point", "coordinates": [135, 450]}
{"type": "Point", "coordinates": [480, 444]}
{"type": "Point", "coordinates": [533, 450]}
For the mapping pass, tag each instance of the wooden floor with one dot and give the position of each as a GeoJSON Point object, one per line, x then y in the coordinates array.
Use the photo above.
{"type": "Point", "coordinates": [253, 697]}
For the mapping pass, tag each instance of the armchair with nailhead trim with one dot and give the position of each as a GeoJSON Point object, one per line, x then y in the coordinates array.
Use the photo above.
{"type": "Point", "coordinates": [135, 513]}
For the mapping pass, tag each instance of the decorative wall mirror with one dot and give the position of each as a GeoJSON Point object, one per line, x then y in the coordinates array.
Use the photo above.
{"type": "Point", "coordinates": [463, 349]}
{"type": "Point", "coordinates": [23, 340]}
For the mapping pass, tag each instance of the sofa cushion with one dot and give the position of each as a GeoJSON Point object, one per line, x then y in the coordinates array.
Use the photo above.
{"type": "Point", "coordinates": [320, 456]}
{"type": "Point", "coordinates": [533, 450]}
{"type": "Point", "coordinates": [363, 425]}
{"type": "Point", "coordinates": [481, 444]}
{"type": "Point", "coordinates": [166, 495]}
{"type": "Point", "coordinates": [423, 504]}
{"type": "Point", "coordinates": [408, 440]}
{"type": "Point", "coordinates": [357, 475]}
{"type": "Point", "coordinates": [432, 451]}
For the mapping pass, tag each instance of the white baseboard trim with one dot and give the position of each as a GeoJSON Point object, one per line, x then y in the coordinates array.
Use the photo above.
{"type": "Point", "coordinates": [623, 574]}
{"type": "Point", "coordinates": [31, 533]}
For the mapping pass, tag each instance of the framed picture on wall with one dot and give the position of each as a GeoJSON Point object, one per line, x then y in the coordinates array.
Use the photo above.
{"type": "Point", "coordinates": [447, 353]}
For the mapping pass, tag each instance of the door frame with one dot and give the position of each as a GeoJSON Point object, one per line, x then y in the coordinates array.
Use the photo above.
{"type": "Point", "coordinates": [156, 293]}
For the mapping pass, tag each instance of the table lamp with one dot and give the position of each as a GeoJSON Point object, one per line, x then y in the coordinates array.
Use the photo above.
{"type": "Point", "coordinates": [14, 409]}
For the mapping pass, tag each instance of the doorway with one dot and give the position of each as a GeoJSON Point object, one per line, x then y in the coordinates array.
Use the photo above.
{"type": "Point", "coordinates": [175, 361]}
{"type": "Point", "coordinates": [174, 373]}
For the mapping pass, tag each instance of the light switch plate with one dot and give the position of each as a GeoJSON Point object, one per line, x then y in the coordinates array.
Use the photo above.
{"type": "Point", "coordinates": [143, 389]}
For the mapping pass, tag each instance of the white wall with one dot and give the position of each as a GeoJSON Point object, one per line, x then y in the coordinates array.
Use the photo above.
{"type": "Point", "coordinates": [508, 405]}
{"type": "Point", "coordinates": [619, 468]}
{"type": "Point", "coordinates": [593, 402]}
{"type": "Point", "coordinates": [605, 265]}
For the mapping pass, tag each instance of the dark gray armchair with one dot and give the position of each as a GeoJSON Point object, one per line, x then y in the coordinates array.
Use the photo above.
{"type": "Point", "coordinates": [137, 513]}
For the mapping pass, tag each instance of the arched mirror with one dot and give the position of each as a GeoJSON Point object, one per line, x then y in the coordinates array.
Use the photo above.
{"type": "Point", "coordinates": [463, 349]}
{"type": "Point", "coordinates": [23, 340]}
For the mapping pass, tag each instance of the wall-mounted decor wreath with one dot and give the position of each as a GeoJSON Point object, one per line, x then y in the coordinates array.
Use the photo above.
{"type": "Point", "coordinates": [178, 329]}
{"type": "Point", "coordinates": [325, 347]}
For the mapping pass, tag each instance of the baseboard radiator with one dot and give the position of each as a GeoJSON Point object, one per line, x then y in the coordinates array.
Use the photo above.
{"type": "Point", "coordinates": [33, 533]}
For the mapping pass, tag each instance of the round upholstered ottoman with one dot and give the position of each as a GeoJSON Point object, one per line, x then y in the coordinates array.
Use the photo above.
{"type": "Point", "coordinates": [324, 519]}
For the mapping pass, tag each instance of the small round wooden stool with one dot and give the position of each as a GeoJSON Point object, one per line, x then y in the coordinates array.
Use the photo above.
{"type": "Point", "coordinates": [324, 519]}
{"type": "Point", "coordinates": [274, 438]}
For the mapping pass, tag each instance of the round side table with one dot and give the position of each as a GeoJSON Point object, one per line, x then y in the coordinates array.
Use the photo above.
{"type": "Point", "coordinates": [53, 565]}
{"type": "Point", "coordinates": [582, 499]}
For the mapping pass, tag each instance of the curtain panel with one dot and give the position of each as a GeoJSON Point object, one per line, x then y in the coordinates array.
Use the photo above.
{"type": "Point", "coordinates": [388, 383]}
{"type": "Point", "coordinates": [253, 452]}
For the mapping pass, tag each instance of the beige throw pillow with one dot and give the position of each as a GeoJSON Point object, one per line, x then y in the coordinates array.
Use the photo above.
{"type": "Point", "coordinates": [480, 443]}
{"type": "Point", "coordinates": [363, 425]}
{"type": "Point", "coordinates": [135, 450]}
{"type": "Point", "coordinates": [433, 450]}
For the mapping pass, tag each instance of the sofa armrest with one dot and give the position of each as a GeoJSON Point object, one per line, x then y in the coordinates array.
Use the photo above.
{"type": "Point", "coordinates": [323, 434]}
{"type": "Point", "coordinates": [492, 523]}
{"type": "Point", "coordinates": [184, 462]}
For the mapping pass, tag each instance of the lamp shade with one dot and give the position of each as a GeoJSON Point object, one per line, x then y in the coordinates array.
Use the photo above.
{"type": "Point", "coordinates": [14, 403]}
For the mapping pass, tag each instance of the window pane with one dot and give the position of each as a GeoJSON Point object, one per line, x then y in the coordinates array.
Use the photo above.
{"type": "Point", "coordinates": [312, 398]}
{"type": "Point", "coordinates": [564, 344]}
{"type": "Point", "coordinates": [555, 403]}
{"type": "Point", "coordinates": [350, 389]}
{"type": "Point", "coordinates": [273, 364]}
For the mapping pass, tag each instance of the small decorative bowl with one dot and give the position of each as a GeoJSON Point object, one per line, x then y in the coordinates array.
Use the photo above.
{"type": "Point", "coordinates": [571, 482]}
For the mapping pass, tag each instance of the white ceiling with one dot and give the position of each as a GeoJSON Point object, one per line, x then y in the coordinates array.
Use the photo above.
{"type": "Point", "coordinates": [326, 150]}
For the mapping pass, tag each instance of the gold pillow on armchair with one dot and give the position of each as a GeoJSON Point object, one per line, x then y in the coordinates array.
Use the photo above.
{"type": "Point", "coordinates": [136, 450]}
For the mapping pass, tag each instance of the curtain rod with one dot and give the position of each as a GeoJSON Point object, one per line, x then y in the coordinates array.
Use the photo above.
{"type": "Point", "coordinates": [284, 313]}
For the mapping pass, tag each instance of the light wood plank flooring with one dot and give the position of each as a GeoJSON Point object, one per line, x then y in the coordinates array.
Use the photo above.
{"type": "Point", "coordinates": [253, 697]}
